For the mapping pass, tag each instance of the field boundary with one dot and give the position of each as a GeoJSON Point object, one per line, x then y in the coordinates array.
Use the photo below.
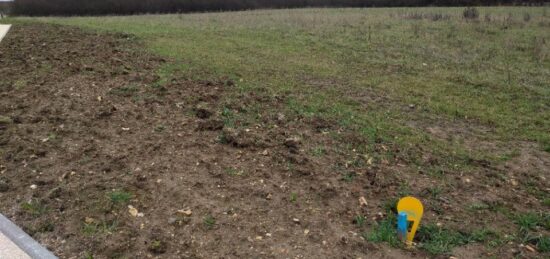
{"type": "Point", "coordinates": [23, 240]}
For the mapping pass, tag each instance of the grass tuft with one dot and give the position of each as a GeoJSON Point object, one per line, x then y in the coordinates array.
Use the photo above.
{"type": "Point", "coordinates": [438, 240]}
{"type": "Point", "coordinates": [119, 197]}
{"type": "Point", "coordinates": [384, 231]}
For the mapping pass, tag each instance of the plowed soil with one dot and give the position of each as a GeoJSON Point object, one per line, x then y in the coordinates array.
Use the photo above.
{"type": "Point", "coordinates": [98, 158]}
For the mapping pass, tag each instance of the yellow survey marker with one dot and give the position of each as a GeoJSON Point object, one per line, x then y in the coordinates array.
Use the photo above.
{"type": "Point", "coordinates": [413, 208]}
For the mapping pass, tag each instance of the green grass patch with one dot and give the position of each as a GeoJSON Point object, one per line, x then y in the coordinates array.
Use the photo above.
{"type": "Point", "coordinates": [209, 221]}
{"type": "Point", "coordinates": [384, 231]}
{"type": "Point", "coordinates": [34, 207]}
{"type": "Point", "coordinates": [293, 197]}
{"type": "Point", "coordinates": [104, 227]}
{"type": "Point", "coordinates": [359, 220]}
{"type": "Point", "coordinates": [531, 220]}
{"type": "Point", "coordinates": [543, 244]}
{"type": "Point", "coordinates": [120, 197]}
{"type": "Point", "coordinates": [234, 171]}
{"type": "Point", "coordinates": [438, 240]}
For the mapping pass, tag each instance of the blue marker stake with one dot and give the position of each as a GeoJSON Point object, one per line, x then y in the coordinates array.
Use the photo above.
{"type": "Point", "coordinates": [402, 226]}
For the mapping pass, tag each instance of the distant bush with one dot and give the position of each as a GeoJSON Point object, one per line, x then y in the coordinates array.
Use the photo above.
{"type": "Point", "coordinates": [470, 13]}
{"type": "Point", "coordinates": [102, 7]}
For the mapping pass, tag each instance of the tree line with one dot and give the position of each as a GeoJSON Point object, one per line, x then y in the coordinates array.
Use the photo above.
{"type": "Point", "coordinates": [103, 7]}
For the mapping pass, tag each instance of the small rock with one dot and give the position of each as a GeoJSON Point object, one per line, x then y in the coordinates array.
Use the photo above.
{"type": "Point", "coordinates": [269, 196]}
{"type": "Point", "coordinates": [259, 238]}
{"type": "Point", "coordinates": [185, 212]}
{"type": "Point", "coordinates": [293, 142]}
{"type": "Point", "coordinates": [34, 186]}
{"type": "Point", "coordinates": [265, 152]}
{"type": "Point", "coordinates": [306, 231]}
{"type": "Point", "coordinates": [514, 182]}
{"type": "Point", "coordinates": [363, 201]}
{"type": "Point", "coordinates": [295, 220]}
{"type": "Point", "coordinates": [89, 220]}
{"type": "Point", "coordinates": [530, 248]}
{"type": "Point", "coordinates": [280, 117]}
{"type": "Point", "coordinates": [133, 211]}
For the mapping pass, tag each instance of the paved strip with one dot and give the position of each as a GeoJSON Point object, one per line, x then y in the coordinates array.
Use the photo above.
{"type": "Point", "coordinates": [23, 242]}
{"type": "Point", "coordinates": [4, 28]}
{"type": "Point", "coordinates": [10, 250]}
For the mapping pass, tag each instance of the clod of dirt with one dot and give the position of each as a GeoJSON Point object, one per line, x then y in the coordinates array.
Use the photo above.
{"type": "Point", "coordinates": [229, 82]}
{"type": "Point", "coordinates": [55, 193]}
{"type": "Point", "coordinates": [292, 143]}
{"type": "Point", "coordinates": [106, 112]}
{"type": "Point", "coordinates": [158, 247]}
{"type": "Point", "coordinates": [4, 186]}
{"type": "Point", "coordinates": [238, 138]}
{"type": "Point", "coordinates": [212, 125]}
{"type": "Point", "coordinates": [4, 121]}
{"type": "Point", "coordinates": [322, 124]}
{"type": "Point", "coordinates": [202, 111]}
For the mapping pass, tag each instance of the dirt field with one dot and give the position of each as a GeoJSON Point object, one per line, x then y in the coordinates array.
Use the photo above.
{"type": "Point", "coordinates": [99, 160]}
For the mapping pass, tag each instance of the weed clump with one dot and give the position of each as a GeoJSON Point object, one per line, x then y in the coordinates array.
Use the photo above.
{"type": "Point", "coordinates": [34, 207]}
{"type": "Point", "coordinates": [209, 222]}
{"type": "Point", "coordinates": [120, 197]}
{"type": "Point", "coordinates": [470, 13]}
{"type": "Point", "coordinates": [526, 17]}
{"type": "Point", "coordinates": [384, 231]}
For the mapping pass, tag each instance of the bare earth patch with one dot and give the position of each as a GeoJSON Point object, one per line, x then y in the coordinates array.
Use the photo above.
{"type": "Point", "coordinates": [98, 158]}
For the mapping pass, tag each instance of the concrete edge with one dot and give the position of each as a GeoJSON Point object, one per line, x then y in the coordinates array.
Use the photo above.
{"type": "Point", "coordinates": [3, 34]}
{"type": "Point", "coordinates": [24, 241]}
